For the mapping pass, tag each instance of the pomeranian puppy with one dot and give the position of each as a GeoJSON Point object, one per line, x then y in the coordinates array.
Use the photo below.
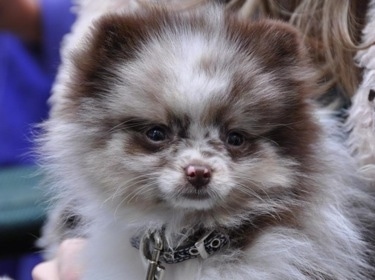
{"type": "Point", "coordinates": [189, 144]}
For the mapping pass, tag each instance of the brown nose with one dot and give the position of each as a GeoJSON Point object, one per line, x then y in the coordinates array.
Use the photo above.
{"type": "Point", "coordinates": [198, 175]}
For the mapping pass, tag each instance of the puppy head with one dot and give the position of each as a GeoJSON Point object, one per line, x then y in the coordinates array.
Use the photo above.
{"type": "Point", "coordinates": [194, 111]}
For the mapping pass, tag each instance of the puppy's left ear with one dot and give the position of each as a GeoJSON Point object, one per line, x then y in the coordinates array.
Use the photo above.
{"type": "Point", "coordinates": [279, 48]}
{"type": "Point", "coordinates": [277, 43]}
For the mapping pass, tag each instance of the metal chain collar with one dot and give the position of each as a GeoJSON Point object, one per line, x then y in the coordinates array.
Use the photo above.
{"type": "Point", "coordinates": [153, 249]}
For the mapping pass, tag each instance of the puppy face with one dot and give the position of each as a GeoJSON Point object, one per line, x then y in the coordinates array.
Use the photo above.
{"type": "Point", "coordinates": [194, 111]}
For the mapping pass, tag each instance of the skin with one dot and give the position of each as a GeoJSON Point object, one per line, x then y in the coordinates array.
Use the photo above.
{"type": "Point", "coordinates": [21, 17]}
{"type": "Point", "coordinates": [67, 264]}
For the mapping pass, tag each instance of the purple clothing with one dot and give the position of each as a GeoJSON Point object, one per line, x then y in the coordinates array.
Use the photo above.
{"type": "Point", "coordinates": [26, 76]}
{"type": "Point", "coordinates": [19, 268]}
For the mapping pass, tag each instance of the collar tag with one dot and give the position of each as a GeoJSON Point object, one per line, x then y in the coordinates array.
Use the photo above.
{"type": "Point", "coordinates": [200, 246]}
{"type": "Point", "coordinates": [154, 271]}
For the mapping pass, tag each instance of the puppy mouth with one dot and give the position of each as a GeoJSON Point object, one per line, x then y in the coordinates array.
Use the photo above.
{"type": "Point", "coordinates": [189, 197]}
{"type": "Point", "coordinates": [197, 195]}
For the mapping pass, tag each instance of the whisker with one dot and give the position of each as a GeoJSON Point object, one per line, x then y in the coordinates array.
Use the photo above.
{"type": "Point", "coordinates": [143, 189]}
{"type": "Point", "coordinates": [126, 185]}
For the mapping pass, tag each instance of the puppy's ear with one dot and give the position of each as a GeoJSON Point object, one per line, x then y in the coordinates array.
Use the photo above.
{"type": "Point", "coordinates": [116, 36]}
{"type": "Point", "coordinates": [278, 48]}
{"type": "Point", "coordinates": [114, 39]}
{"type": "Point", "coordinates": [278, 44]}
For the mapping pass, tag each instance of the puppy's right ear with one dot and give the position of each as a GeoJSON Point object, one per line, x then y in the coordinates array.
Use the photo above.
{"type": "Point", "coordinates": [112, 38]}
{"type": "Point", "coordinates": [117, 37]}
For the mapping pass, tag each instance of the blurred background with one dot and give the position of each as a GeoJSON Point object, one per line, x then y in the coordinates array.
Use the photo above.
{"type": "Point", "coordinates": [30, 37]}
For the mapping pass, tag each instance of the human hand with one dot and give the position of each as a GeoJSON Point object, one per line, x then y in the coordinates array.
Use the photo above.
{"type": "Point", "coordinates": [21, 17]}
{"type": "Point", "coordinates": [67, 265]}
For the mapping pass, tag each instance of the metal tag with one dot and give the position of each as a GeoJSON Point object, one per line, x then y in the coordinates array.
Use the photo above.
{"type": "Point", "coordinates": [154, 271]}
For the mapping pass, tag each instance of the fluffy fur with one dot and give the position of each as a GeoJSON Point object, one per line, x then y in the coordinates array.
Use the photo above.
{"type": "Point", "coordinates": [146, 94]}
{"type": "Point", "coordinates": [361, 116]}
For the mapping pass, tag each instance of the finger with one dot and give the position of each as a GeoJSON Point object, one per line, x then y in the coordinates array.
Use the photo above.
{"type": "Point", "coordinates": [45, 271]}
{"type": "Point", "coordinates": [70, 261]}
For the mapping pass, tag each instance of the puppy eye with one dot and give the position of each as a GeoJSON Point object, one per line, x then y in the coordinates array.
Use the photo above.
{"type": "Point", "coordinates": [156, 134]}
{"type": "Point", "coordinates": [235, 139]}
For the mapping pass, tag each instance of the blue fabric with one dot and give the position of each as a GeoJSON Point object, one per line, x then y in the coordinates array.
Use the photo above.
{"type": "Point", "coordinates": [26, 76]}
{"type": "Point", "coordinates": [24, 88]}
{"type": "Point", "coordinates": [57, 20]}
{"type": "Point", "coordinates": [19, 268]}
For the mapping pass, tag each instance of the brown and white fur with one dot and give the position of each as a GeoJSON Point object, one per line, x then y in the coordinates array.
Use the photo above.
{"type": "Point", "coordinates": [147, 100]}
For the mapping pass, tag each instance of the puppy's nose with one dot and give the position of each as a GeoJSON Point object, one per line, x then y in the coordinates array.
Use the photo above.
{"type": "Point", "coordinates": [198, 175]}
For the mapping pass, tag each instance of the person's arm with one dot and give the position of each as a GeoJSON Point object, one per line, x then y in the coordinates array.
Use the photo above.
{"type": "Point", "coordinates": [39, 22]}
{"type": "Point", "coordinates": [21, 17]}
